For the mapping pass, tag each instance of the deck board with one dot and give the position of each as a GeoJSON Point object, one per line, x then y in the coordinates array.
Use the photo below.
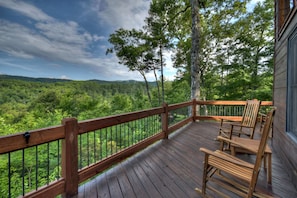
{"type": "Point", "coordinates": [173, 168]}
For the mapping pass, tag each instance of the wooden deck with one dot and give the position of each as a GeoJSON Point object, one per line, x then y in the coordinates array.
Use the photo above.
{"type": "Point", "coordinates": [173, 168]}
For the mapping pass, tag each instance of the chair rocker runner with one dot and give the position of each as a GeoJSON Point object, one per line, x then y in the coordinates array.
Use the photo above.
{"type": "Point", "coordinates": [248, 122]}
{"type": "Point", "coordinates": [231, 173]}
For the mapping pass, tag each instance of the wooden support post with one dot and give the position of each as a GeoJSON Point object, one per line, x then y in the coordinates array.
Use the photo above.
{"type": "Point", "coordinates": [164, 119]}
{"type": "Point", "coordinates": [70, 157]}
{"type": "Point", "coordinates": [194, 104]}
{"type": "Point", "coordinates": [283, 10]}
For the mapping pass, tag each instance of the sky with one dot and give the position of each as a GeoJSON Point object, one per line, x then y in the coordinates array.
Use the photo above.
{"type": "Point", "coordinates": [68, 38]}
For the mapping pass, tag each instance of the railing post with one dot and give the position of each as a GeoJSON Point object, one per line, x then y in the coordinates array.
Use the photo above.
{"type": "Point", "coordinates": [70, 157]}
{"type": "Point", "coordinates": [194, 106]}
{"type": "Point", "coordinates": [165, 121]}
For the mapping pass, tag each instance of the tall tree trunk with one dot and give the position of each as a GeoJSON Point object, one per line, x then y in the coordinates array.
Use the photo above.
{"type": "Point", "coordinates": [162, 75]}
{"type": "Point", "coordinates": [195, 70]}
{"type": "Point", "coordinates": [147, 87]}
{"type": "Point", "coordinates": [158, 86]}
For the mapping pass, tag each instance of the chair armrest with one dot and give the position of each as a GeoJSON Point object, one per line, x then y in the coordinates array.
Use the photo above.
{"type": "Point", "coordinates": [226, 157]}
{"type": "Point", "coordinates": [237, 129]}
{"type": "Point", "coordinates": [224, 119]}
{"type": "Point", "coordinates": [239, 125]}
{"type": "Point", "coordinates": [220, 138]}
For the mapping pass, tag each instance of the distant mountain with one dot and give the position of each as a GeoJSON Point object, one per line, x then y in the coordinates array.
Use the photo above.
{"type": "Point", "coordinates": [54, 80]}
{"type": "Point", "coordinates": [47, 80]}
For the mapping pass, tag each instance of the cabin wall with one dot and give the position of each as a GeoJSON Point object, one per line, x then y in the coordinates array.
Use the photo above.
{"type": "Point", "coordinates": [282, 143]}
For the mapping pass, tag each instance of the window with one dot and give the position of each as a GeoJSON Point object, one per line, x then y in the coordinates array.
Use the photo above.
{"type": "Point", "coordinates": [292, 85]}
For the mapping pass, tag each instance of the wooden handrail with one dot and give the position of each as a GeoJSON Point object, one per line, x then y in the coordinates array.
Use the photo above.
{"type": "Point", "coordinates": [99, 123]}
{"type": "Point", "coordinates": [71, 129]}
{"type": "Point", "coordinates": [37, 137]}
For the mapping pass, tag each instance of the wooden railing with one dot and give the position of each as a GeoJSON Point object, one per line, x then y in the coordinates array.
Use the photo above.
{"type": "Point", "coordinates": [81, 150]}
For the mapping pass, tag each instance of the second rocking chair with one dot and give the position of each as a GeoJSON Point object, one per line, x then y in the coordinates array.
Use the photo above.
{"type": "Point", "coordinates": [248, 122]}
{"type": "Point", "coordinates": [231, 173]}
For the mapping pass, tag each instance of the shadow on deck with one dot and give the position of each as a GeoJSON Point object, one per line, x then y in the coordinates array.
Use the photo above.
{"type": "Point", "coordinates": [173, 168]}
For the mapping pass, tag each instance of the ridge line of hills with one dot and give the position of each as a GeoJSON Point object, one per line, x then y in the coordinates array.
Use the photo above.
{"type": "Point", "coordinates": [54, 80]}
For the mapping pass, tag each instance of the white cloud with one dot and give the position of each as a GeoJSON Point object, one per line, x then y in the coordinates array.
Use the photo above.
{"type": "Point", "coordinates": [127, 14]}
{"type": "Point", "coordinates": [64, 32]}
{"type": "Point", "coordinates": [58, 41]}
{"type": "Point", "coordinates": [21, 40]}
{"type": "Point", "coordinates": [30, 45]}
{"type": "Point", "coordinates": [64, 77]}
{"type": "Point", "coordinates": [15, 65]}
{"type": "Point", "coordinates": [26, 9]}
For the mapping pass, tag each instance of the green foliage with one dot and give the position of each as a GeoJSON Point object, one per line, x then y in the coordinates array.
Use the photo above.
{"type": "Point", "coordinates": [41, 104]}
{"type": "Point", "coordinates": [29, 104]}
{"type": "Point", "coordinates": [236, 63]}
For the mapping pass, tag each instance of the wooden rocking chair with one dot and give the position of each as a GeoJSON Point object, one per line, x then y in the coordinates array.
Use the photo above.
{"type": "Point", "coordinates": [238, 145]}
{"type": "Point", "coordinates": [231, 173]}
{"type": "Point", "coordinates": [248, 122]}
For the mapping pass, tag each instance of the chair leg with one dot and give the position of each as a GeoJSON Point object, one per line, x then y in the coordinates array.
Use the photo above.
{"type": "Point", "coordinates": [205, 172]}
{"type": "Point", "coordinates": [204, 180]}
{"type": "Point", "coordinates": [269, 172]}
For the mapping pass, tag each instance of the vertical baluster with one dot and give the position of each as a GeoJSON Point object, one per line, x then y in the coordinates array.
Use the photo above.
{"type": "Point", "coordinates": [116, 137]}
{"type": "Point", "coordinates": [23, 171]}
{"type": "Point", "coordinates": [106, 151]}
{"type": "Point", "coordinates": [88, 150]}
{"type": "Point", "coordinates": [94, 146]}
{"type": "Point", "coordinates": [48, 163]}
{"type": "Point", "coordinates": [36, 167]}
{"type": "Point", "coordinates": [111, 149]}
{"type": "Point", "coordinates": [127, 132]}
{"type": "Point", "coordinates": [101, 143]}
{"type": "Point", "coordinates": [58, 159]}
{"type": "Point", "coordinates": [9, 175]}
{"type": "Point", "coordinates": [80, 152]}
{"type": "Point", "coordinates": [121, 141]}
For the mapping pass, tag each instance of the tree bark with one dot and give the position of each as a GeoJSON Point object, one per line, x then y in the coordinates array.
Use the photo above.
{"type": "Point", "coordinates": [195, 70]}
{"type": "Point", "coordinates": [147, 87]}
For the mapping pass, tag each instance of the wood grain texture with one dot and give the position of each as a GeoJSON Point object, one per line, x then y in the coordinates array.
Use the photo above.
{"type": "Point", "coordinates": [173, 168]}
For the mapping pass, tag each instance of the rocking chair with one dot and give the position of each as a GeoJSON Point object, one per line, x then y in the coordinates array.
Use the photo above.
{"type": "Point", "coordinates": [231, 173]}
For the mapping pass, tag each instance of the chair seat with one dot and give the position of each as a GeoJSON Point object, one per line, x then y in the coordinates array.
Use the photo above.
{"type": "Point", "coordinates": [254, 145]}
{"type": "Point", "coordinates": [251, 143]}
{"type": "Point", "coordinates": [232, 165]}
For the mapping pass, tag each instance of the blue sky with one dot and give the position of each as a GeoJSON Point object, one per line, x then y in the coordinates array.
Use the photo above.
{"type": "Point", "coordinates": [67, 38]}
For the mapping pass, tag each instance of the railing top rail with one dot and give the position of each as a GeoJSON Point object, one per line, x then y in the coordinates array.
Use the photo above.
{"type": "Point", "coordinates": [179, 105]}
{"type": "Point", "coordinates": [100, 123]}
{"type": "Point", "coordinates": [229, 102]}
{"type": "Point", "coordinates": [41, 136]}
{"type": "Point", "coordinates": [35, 137]}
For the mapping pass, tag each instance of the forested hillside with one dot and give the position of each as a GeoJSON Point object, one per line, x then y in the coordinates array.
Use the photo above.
{"type": "Point", "coordinates": [235, 63]}
{"type": "Point", "coordinates": [30, 103]}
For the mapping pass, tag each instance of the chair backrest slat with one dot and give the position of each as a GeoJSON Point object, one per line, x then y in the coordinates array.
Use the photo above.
{"type": "Point", "coordinates": [250, 114]}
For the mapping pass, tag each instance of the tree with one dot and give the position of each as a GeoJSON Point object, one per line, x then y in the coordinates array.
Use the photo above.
{"type": "Point", "coordinates": [195, 71]}
{"type": "Point", "coordinates": [133, 51]}
{"type": "Point", "coordinates": [244, 51]}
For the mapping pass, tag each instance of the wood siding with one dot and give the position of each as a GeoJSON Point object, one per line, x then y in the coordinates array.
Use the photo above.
{"type": "Point", "coordinates": [285, 146]}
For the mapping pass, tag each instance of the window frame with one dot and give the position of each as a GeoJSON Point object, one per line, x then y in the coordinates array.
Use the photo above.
{"type": "Point", "coordinates": [291, 120]}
